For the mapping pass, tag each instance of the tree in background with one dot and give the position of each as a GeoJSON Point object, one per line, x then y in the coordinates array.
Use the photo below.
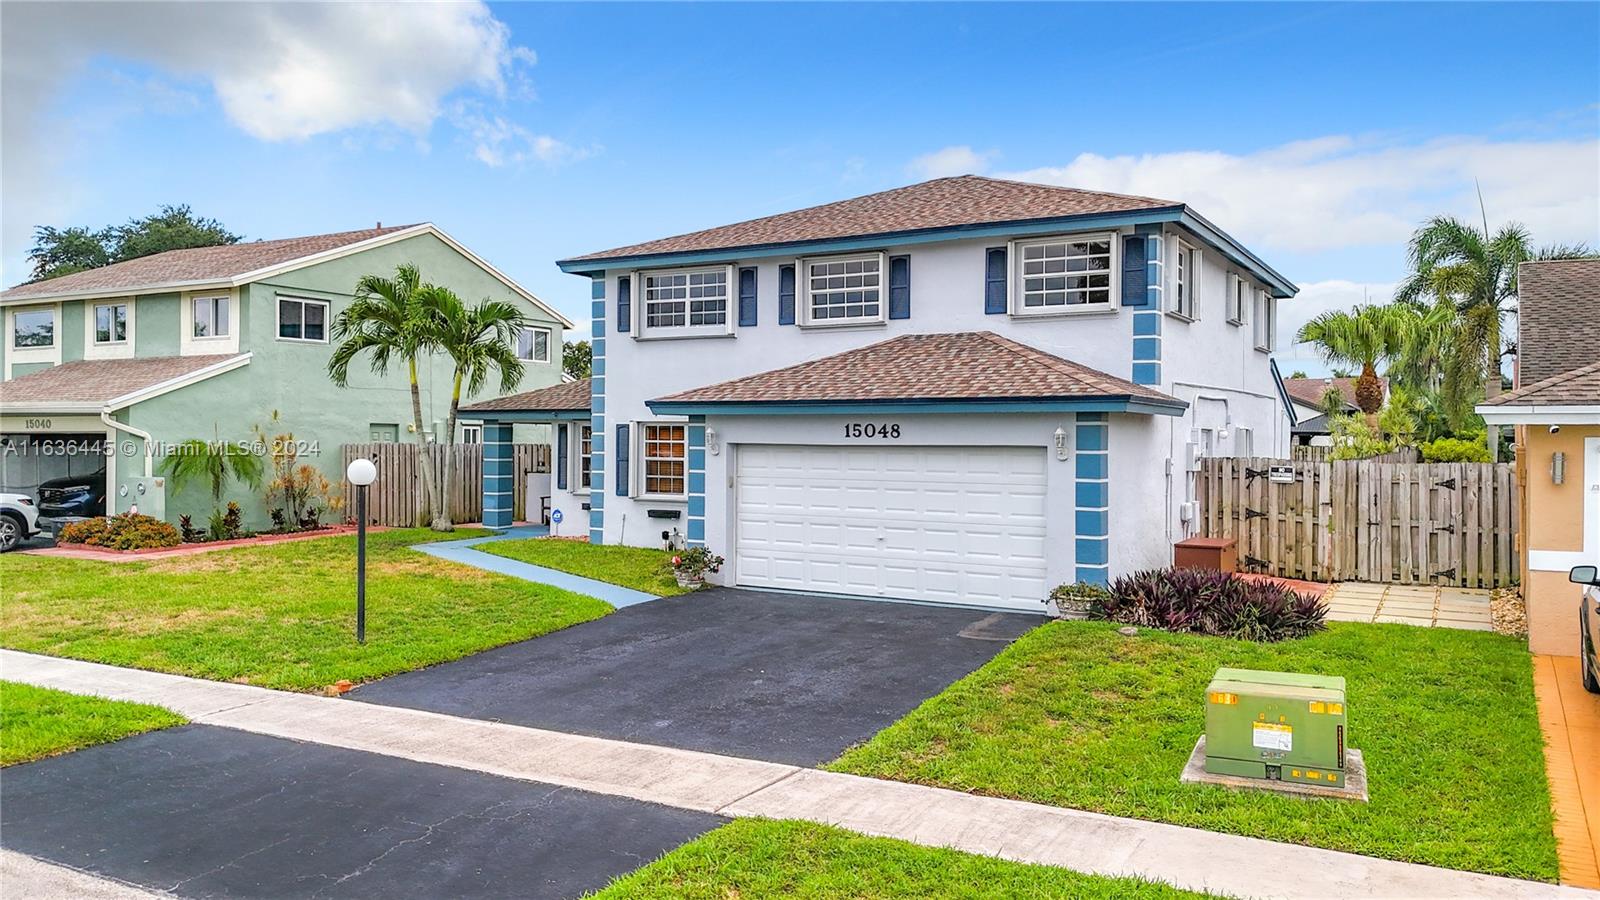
{"type": "Point", "coordinates": [389, 321]}
{"type": "Point", "coordinates": [577, 359]}
{"type": "Point", "coordinates": [62, 251]}
{"type": "Point", "coordinates": [1332, 403]}
{"type": "Point", "coordinates": [1363, 337]}
{"type": "Point", "coordinates": [481, 341]}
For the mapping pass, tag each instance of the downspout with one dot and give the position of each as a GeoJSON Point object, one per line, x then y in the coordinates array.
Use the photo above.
{"type": "Point", "coordinates": [105, 416]}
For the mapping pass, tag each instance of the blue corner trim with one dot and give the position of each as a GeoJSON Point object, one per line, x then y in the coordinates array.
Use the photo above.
{"type": "Point", "coordinates": [1094, 574]}
{"type": "Point", "coordinates": [597, 289]}
{"type": "Point", "coordinates": [1147, 349]}
{"type": "Point", "coordinates": [1146, 373]}
{"type": "Point", "coordinates": [1091, 438]}
{"type": "Point", "coordinates": [1146, 324]}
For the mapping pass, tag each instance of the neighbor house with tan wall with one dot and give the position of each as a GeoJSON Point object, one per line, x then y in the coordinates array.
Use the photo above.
{"type": "Point", "coordinates": [1556, 408]}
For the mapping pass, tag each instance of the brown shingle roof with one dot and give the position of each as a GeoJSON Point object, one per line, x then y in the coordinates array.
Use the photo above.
{"type": "Point", "coordinates": [1576, 387]}
{"type": "Point", "coordinates": [978, 365]}
{"type": "Point", "coordinates": [572, 396]}
{"type": "Point", "coordinates": [1558, 324]}
{"type": "Point", "coordinates": [198, 264]}
{"type": "Point", "coordinates": [942, 203]}
{"type": "Point", "coordinates": [100, 380]}
{"type": "Point", "coordinates": [1309, 391]}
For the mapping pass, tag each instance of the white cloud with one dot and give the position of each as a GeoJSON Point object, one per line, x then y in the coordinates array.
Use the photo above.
{"type": "Point", "coordinates": [959, 160]}
{"type": "Point", "coordinates": [1313, 300]}
{"type": "Point", "coordinates": [280, 71]}
{"type": "Point", "coordinates": [1341, 191]}
{"type": "Point", "coordinates": [498, 141]}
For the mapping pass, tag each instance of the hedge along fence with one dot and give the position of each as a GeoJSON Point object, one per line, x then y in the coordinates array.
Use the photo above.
{"type": "Point", "coordinates": [398, 498]}
{"type": "Point", "coordinates": [1359, 520]}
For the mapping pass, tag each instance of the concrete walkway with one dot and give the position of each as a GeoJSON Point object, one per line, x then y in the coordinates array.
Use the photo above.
{"type": "Point", "coordinates": [1025, 832]}
{"type": "Point", "coordinates": [1428, 605]}
{"type": "Point", "coordinates": [466, 552]}
{"type": "Point", "coordinates": [1570, 718]}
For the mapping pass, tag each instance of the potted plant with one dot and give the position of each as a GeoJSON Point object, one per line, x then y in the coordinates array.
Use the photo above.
{"type": "Point", "coordinates": [690, 566]}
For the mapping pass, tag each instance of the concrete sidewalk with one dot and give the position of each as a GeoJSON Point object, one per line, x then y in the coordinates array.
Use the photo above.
{"type": "Point", "coordinates": [465, 552]}
{"type": "Point", "coordinates": [1025, 832]}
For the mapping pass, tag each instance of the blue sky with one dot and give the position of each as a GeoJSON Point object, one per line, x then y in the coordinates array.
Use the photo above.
{"type": "Point", "coordinates": [1318, 134]}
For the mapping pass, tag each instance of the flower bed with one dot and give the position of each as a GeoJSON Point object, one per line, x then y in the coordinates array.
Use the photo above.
{"type": "Point", "coordinates": [67, 548]}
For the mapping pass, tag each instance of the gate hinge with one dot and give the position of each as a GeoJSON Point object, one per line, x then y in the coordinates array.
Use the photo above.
{"type": "Point", "coordinates": [1253, 514]}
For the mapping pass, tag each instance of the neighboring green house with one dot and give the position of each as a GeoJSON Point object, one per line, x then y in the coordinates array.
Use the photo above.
{"type": "Point", "coordinates": [207, 343]}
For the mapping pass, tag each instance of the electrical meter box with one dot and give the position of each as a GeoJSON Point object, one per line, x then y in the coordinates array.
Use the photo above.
{"type": "Point", "coordinates": [1278, 726]}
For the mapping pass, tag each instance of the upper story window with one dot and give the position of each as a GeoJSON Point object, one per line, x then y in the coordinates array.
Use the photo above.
{"type": "Point", "coordinates": [302, 319]}
{"type": "Point", "coordinates": [472, 434]}
{"type": "Point", "coordinates": [665, 470]}
{"type": "Point", "coordinates": [1266, 313]}
{"type": "Point", "coordinates": [585, 449]}
{"type": "Point", "coordinates": [211, 317]}
{"type": "Point", "coordinates": [533, 344]}
{"type": "Point", "coordinates": [685, 301]}
{"type": "Point", "coordinates": [1064, 274]}
{"type": "Point", "coordinates": [111, 323]}
{"type": "Point", "coordinates": [33, 328]}
{"type": "Point", "coordinates": [843, 290]}
{"type": "Point", "coordinates": [1238, 298]}
{"type": "Point", "coordinates": [1185, 275]}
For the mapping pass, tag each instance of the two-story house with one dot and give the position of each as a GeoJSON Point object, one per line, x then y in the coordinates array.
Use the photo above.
{"type": "Point", "coordinates": [105, 368]}
{"type": "Point", "coordinates": [967, 390]}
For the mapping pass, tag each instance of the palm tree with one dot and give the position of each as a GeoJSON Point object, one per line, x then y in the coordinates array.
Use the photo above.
{"type": "Point", "coordinates": [389, 319]}
{"type": "Point", "coordinates": [479, 340]}
{"type": "Point", "coordinates": [1475, 273]}
{"type": "Point", "coordinates": [213, 462]}
{"type": "Point", "coordinates": [1362, 338]}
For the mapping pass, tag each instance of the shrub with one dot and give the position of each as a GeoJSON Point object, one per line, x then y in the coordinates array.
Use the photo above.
{"type": "Point", "coordinates": [1205, 601]}
{"type": "Point", "coordinates": [125, 532]}
{"type": "Point", "coordinates": [1080, 599]}
{"type": "Point", "coordinates": [1449, 450]}
{"type": "Point", "coordinates": [696, 561]}
{"type": "Point", "coordinates": [191, 534]}
{"type": "Point", "coordinates": [226, 526]}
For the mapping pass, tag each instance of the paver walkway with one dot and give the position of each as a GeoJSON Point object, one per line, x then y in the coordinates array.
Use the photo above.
{"type": "Point", "coordinates": [1430, 605]}
{"type": "Point", "coordinates": [1570, 717]}
{"type": "Point", "coordinates": [1026, 832]}
{"type": "Point", "coordinates": [465, 552]}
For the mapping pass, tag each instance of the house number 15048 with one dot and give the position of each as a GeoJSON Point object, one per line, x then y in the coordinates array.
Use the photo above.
{"type": "Point", "coordinates": [871, 430]}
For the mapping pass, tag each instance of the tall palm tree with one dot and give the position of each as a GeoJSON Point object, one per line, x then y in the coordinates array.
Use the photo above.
{"type": "Point", "coordinates": [480, 340]}
{"type": "Point", "coordinates": [1475, 272]}
{"type": "Point", "coordinates": [389, 320]}
{"type": "Point", "coordinates": [1364, 338]}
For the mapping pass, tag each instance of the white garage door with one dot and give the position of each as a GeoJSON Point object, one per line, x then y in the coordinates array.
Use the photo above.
{"type": "Point", "coordinates": [948, 524]}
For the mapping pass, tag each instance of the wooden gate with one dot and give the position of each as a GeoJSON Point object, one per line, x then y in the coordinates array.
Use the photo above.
{"type": "Point", "coordinates": [1405, 523]}
{"type": "Point", "coordinates": [399, 499]}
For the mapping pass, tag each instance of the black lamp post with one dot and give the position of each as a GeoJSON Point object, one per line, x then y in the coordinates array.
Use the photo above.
{"type": "Point", "coordinates": [361, 473]}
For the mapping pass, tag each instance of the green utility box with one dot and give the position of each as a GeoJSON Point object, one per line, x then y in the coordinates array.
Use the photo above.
{"type": "Point", "coordinates": [1278, 726]}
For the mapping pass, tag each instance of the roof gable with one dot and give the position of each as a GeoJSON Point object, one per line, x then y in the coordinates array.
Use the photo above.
{"type": "Point", "coordinates": [1575, 387]}
{"type": "Point", "coordinates": [1558, 322]}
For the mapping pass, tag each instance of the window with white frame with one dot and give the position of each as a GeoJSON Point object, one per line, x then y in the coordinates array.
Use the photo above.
{"type": "Point", "coordinates": [1069, 274]}
{"type": "Point", "coordinates": [1243, 442]}
{"type": "Point", "coordinates": [1266, 313]}
{"type": "Point", "coordinates": [472, 434]}
{"type": "Point", "coordinates": [585, 449]}
{"type": "Point", "coordinates": [663, 466]}
{"type": "Point", "coordinates": [533, 344]}
{"type": "Point", "coordinates": [33, 328]}
{"type": "Point", "coordinates": [211, 316]}
{"type": "Point", "coordinates": [1185, 274]}
{"type": "Point", "coordinates": [1238, 298]}
{"type": "Point", "coordinates": [302, 319]}
{"type": "Point", "coordinates": [111, 323]}
{"type": "Point", "coordinates": [685, 301]}
{"type": "Point", "coordinates": [843, 290]}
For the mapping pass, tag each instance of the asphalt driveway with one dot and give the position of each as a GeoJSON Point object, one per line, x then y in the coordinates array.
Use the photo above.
{"type": "Point", "coordinates": [208, 812]}
{"type": "Point", "coordinates": [786, 678]}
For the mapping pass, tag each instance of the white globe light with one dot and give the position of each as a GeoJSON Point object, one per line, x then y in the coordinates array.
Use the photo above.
{"type": "Point", "coordinates": [361, 472]}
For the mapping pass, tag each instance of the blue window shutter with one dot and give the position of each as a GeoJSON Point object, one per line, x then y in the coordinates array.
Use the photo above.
{"type": "Point", "coordinates": [786, 295]}
{"type": "Point", "coordinates": [1134, 277]}
{"type": "Point", "coordinates": [994, 282]}
{"type": "Point", "coordinates": [899, 287]}
{"type": "Point", "coordinates": [747, 298]}
{"type": "Point", "coordinates": [624, 304]}
{"type": "Point", "coordinates": [561, 457]}
{"type": "Point", "coordinates": [620, 453]}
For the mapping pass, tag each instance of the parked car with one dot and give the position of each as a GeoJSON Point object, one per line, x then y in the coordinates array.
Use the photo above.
{"type": "Point", "coordinates": [19, 520]}
{"type": "Point", "coordinates": [1588, 624]}
{"type": "Point", "coordinates": [73, 497]}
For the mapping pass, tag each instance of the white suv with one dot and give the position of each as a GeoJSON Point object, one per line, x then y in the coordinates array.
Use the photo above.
{"type": "Point", "coordinates": [19, 520]}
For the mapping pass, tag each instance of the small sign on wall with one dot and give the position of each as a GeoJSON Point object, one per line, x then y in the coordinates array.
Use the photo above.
{"type": "Point", "coordinates": [1281, 474]}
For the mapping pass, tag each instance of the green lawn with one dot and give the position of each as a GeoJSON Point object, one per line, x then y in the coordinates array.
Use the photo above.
{"type": "Point", "coordinates": [632, 567]}
{"type": "Point", "coordinates": [37, 722]}
{"type": "Point", "coordinates": [756, 858]}
{"type": "Point", "coordinates": [277, 615]}
{"type": "Point", "coordinates": [1076, 715]}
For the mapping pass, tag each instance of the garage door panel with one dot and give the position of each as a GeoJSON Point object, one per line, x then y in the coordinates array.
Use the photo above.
{"type": "Point", "coordinates": [960, 525]}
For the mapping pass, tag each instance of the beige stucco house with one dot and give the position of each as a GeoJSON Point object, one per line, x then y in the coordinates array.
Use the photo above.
{"type": "Point", "coordinates": [1556, 408]}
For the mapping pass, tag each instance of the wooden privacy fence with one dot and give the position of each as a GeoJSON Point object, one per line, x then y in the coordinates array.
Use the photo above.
{"type": "Point", "coordinates": [1359, 520]}
{"type": "Point", "coordinates": [398, 497]}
